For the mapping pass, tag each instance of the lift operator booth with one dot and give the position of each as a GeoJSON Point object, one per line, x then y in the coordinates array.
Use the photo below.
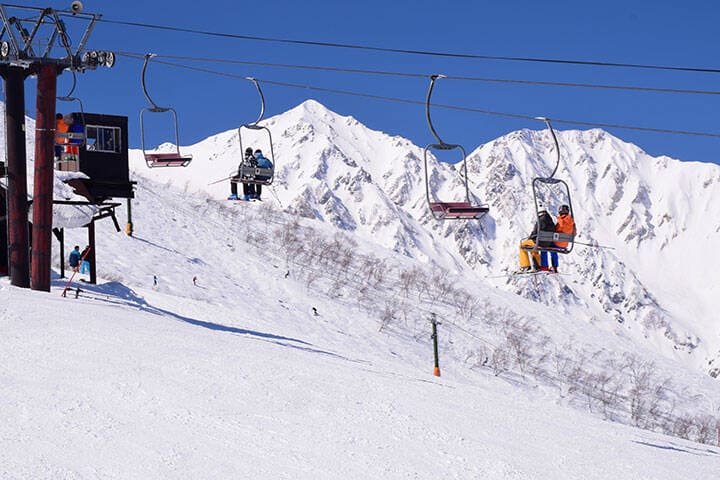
{"type": "Point", "coordinates": [100, 151]}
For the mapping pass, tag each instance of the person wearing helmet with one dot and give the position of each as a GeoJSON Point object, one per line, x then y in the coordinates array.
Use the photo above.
{"type": "Point", "coordinates": [544, 223]}
{"type": "Point", "coordinates": [262, 162]}
{"type": "Point", "coordinates": [248, 188]}
{"type": "Point", "coordinates": [565, 224]}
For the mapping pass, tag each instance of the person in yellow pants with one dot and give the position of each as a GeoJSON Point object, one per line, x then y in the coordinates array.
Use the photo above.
{"type": "Point", "coordinates": [546, 224]}
{"type": "Point", "coordinates": [525, 256]}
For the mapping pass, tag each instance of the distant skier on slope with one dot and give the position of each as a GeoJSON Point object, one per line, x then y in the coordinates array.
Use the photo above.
{"type": "Point", "coordinates": [546, 224]}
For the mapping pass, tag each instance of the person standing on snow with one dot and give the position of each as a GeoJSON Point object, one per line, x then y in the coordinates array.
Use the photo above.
{"type": "Point", "coordinates": [74, 258]}
{"type": "Point", "coordinates": [84, 262]}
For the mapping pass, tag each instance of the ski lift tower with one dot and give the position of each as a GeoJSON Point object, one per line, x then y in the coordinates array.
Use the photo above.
{"type": "Point", "coordinates": [36, 41]}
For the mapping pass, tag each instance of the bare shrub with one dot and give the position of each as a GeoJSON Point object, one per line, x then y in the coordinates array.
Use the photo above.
{"type": "Point", "coordinates": [500, 360]}
{"type": "Point", "coordinates": [409, 280]}
{"type": "Point", "coordinates": [641, 374]}
{"type": "Point", "coordinates": [465, 304]}
{"type": "Point", "coordinates": [682, 426]}
{"type": "Point", "coordinates": [706, 429]}
{"type": "Point", "coordinates": [519, 344]}
{"type": "Point", "coordinates": [439, 286]}
{"type": "Point", "coordinates": [389, 314]}
{"type": "Point", "coordinates": [608, 387]}
{"type": "Point", "coordinates": [288, 235]}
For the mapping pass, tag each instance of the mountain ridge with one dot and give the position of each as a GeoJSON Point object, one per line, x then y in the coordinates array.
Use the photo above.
{"type": "Point", "coordinates": [334, 169]}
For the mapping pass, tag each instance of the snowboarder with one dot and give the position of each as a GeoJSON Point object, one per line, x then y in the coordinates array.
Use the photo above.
{"type": "Point", "coordinates": [315, 312]}
{"type": "Point", "coordinates": [195, 280]}
{"type": "Point", "coordinates": [74, 259]}
{"type": "Point", "coordinates": [547, 224]}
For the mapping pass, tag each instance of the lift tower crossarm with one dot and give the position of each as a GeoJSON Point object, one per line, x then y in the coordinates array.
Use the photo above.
{"type": "Point", "coordinates": [30, 38]}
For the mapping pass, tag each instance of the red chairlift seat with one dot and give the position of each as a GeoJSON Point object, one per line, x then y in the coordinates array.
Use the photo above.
{"type": "Point", "coordinates": [457, 210]}
{"type": "Point", "coordinates": [171, 159]}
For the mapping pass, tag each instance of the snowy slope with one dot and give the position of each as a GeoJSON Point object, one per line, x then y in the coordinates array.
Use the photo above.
{"type": "Point", "coordinates": [236, 377]}
{"type": "Point", "coordinates": [657, 215]}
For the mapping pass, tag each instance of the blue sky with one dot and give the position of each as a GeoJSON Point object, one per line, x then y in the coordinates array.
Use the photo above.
{"type": "Point", "coordinates": [657, 32]}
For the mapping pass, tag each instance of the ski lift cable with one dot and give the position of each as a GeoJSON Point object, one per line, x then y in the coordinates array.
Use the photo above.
{"type": "Point", "coordinates": [448, 107]}
{"type": "Point", "coordinates": [431, 53]}
{"type": "Point", "coordinates": [424, 75]}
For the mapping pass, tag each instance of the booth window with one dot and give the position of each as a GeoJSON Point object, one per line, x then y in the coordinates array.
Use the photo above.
{"type": "Point", "coordinates": [103, 139]}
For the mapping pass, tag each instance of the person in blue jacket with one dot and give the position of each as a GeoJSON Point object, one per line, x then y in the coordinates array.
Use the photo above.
{"type": "Point", "coordinates": [262, 162]}
{"type": "Point", "coordinates": [74, 259]}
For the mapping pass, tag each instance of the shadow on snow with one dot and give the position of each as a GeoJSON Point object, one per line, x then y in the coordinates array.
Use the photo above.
{"type": "Point", "coordinates": [116, 293]}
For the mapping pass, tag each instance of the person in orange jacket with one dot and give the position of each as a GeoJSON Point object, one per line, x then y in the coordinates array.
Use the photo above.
{"type": "Point", "coordinates": [61, 127]}
{"type": "Point", "coordinates": [564, 224]}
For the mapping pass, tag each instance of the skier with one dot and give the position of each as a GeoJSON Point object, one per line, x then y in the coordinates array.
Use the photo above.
{"type": "Point", "coordinates": [248, 188]}
{"type": "Point", "coordinates": [262, 162]}
{"type": "Point", "coordinates": [154, 280]}
{"type": "Point", "coordinates": [74, 259]}
{"type": "Point", "coordinates": [565, 224]}
{"type": "Point", "coordinates": [547, 224]}
{"type": "Point", "coordinates": [195, 280]}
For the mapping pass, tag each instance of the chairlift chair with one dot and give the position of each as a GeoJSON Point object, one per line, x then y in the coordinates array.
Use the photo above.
{"type": "Point", "coordinates": [443, 210]}
{"type": "Point", "coordinates": [157, 159]}
{"type": "Point", "coordinates": [540, 185]}
{"type": "Point", "coordinates": [248, 173]}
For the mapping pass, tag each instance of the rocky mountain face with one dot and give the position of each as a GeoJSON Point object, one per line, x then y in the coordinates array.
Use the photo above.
{"type": "Point", "coordinates": [654, 218]}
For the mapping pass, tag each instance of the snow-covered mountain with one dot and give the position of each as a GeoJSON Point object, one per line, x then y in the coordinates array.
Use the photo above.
{"type": "Point", "coordinates": [657, 216]}
{"type": "Point", "coordinates": [304, 349]}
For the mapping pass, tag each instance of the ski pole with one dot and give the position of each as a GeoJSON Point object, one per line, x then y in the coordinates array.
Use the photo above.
{"type": "Point", "coordinates": [221, 180]}
{"type": "Point", "coordinates": [594, 245]}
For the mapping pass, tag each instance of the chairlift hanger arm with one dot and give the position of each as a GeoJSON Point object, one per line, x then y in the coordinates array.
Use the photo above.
{"type": "Point", "coordinates": [427, 108]}
{"type": "Point", "coordinates": [557, 145]}
{"type": "Point", "coordinates": [155, 107]}
{"type": "Point", "coordinates": [72, 89]}
{"type": "Point", "coordinates": [262, 100]}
